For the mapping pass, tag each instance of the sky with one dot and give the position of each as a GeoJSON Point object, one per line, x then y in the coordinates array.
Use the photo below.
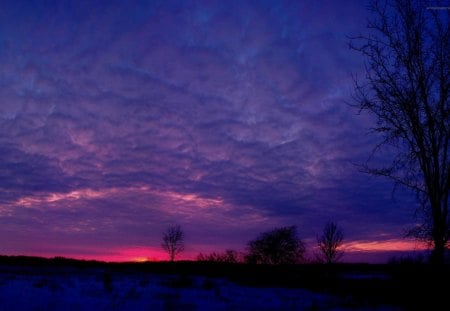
{"type": "Point", "coordinates": [119, 119]}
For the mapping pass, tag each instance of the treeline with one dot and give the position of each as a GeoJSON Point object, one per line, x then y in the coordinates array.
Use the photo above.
{"type": "Point", "coordinates": [277, 246]}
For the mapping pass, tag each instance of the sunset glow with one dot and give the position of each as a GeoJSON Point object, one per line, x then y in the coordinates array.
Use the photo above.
{"type": "Point", "coordinates": [119, 119]}
{"type": "Point", "coordinates": [384, 246]}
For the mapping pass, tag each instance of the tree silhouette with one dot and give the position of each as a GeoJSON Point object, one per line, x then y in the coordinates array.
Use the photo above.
{"type": "Point", "coordinates": [329, 243]}
{"type": "Point", "coordinates": [277, 246]}
{"type": "Point", "coordinates": [406, 88]}
{"type": "Point", "coordinates": [229, 256]}
{"type": "Point", "coordinates": [173, 241]}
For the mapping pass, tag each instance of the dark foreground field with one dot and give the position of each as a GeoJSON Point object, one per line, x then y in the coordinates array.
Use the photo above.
{"type": "Point", "coordinates": [28, 283]}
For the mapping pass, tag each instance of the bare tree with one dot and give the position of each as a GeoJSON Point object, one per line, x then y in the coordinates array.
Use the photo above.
{"type": "Point", "coordinates": [406, 88]}
{"type": "Point", "coordinates": [173, 241]}
{"type": "Point", "coordinates": [329, 243]}
{"type": "Point", "coordinates": [277, 246]}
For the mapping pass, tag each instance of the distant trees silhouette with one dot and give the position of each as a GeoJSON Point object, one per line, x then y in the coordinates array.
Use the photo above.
{"type": "Point", "coordinates": [173, 241]}
{"type": "Point", "coordinates": [329, 243]}
{"type": "Point", "coordinates": [229, 256]}
{"type": "Point", "coordinates": [407, 89]}
{"type": "Point", "coordinates": [277, 246]}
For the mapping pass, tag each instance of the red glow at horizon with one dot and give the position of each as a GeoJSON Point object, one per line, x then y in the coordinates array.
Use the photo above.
{"type": "Point", "coordinates": [126, 254]}
{"type": "Point", "coordinates": [149, 254]}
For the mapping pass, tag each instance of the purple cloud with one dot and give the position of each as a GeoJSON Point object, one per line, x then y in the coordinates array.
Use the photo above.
{"type": "Point", "coordinates": [118, 119]}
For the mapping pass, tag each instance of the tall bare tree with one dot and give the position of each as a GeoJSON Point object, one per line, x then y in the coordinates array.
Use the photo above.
{"type": "Point", "coordinates": [330, 242]}
{"type": "Point", "coordinates": [406, 87]}
{"type": "Point", "coordinates": [173, 241]}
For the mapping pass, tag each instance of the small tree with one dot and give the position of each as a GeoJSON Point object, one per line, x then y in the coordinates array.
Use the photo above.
{"type": "Point", "coordinates": [329, 243]}
{"type": "Point", "coordinates": [277, 246]}
{"type": "Point", "coordinates": [173, 241]}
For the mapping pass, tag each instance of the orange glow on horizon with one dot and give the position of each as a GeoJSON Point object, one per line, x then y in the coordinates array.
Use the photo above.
{"type": "Point", "coordinates": [141, 259]}
{"type": "Point", "coordinates": [384, 246]}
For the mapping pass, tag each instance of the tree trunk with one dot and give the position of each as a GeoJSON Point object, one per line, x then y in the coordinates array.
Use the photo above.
{"type": "Point", "coordinates": [439, 233]}
{"type": "Point", "coordinates": [437, 254]}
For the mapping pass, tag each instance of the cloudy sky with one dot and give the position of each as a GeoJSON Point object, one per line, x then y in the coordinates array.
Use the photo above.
{"type": "Point", "coordinates": [121, 118]}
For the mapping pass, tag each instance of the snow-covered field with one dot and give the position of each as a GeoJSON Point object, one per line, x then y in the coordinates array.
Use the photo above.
{"type": "Point", "coordinates": [102, 287]}
{"type": "Point", "coordinates": [98, 289]}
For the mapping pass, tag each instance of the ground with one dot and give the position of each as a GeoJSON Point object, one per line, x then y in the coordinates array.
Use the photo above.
{"type": "Point", "coordinates": [59, 284]}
